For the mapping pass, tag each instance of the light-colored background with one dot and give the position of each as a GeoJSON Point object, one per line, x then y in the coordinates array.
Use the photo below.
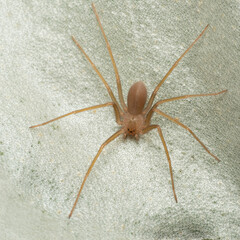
{"type": "Point", "coordinates": [128, 194]}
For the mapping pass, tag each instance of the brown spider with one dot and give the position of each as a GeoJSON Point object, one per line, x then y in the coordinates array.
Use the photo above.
{"type": "Point", "coordinates": [133, 117]}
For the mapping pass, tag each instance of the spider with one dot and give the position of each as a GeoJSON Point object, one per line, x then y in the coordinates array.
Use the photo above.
{"type": "Point", "coordinates": [134, 118]}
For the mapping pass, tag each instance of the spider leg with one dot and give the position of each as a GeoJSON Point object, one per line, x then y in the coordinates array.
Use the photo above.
{"type": "Point", "coordinates": [82, 110]}
{"type": "Point", "coordinates": [151, 127]}
{"type": "Point", "coordinates": [150, 113]}
{"type": "Point", "coordinates": [169, 72]}
{"type": "Point", "coordinates": [115, 135]}
{"type": "Point", "coordinates": [99, 74]}
{"type": "Point", "coordinates": [187, 96]}
{"type": "Point", "coordinates": [119, 86]}
{"type": "Point", "coordinates": [187, 128]}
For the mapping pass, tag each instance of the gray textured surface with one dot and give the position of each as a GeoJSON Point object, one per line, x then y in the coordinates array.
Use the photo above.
{"type": "Point", "coordinates": [128, 195]}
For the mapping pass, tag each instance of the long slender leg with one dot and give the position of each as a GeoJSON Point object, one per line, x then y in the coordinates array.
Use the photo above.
{"type": "Point", "coordinates": [149, 115]}
{"type": "Point", "coordinates": [99, 74]}
{"type": "Point", "coordinates": [112, 59]}
{"type": "Point", "coordinates": [169, 72]}
{"type": "Point", "coordinates": [187, 128]}
{"type": "Point", "coordinates": [82, 110]}
{"type": "Point", "coordinates": [187, 96]}
{"type": "Point", "coordinates": [117, 114]}
{"type": "Point", "coordinates": [115, 135]}
{"type": "Point", "coordinates": [149, 128]}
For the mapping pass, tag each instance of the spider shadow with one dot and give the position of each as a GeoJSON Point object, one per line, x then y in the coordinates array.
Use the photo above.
{"type": "Point", "coordinates": [189, 226]}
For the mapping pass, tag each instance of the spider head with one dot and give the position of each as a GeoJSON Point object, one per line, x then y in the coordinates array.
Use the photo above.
{"type": "Point", "coordinates": [133, 124]}
{"type": "Point", "coordinates": [131, 128]}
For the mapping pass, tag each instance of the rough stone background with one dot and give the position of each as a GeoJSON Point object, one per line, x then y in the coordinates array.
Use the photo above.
{"type": "Point", "coordinates": [128, 194]}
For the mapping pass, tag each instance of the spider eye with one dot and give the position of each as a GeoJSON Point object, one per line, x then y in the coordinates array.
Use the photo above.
{"type": "Point", "coordinates": [131, 131]}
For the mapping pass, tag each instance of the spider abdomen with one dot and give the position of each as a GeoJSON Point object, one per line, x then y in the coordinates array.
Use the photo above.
{"type": "Point", "coordinates": [137, 97]}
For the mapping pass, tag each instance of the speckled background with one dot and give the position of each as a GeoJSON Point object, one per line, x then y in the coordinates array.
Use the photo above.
{"type": "Point", "coordinates": [128, 194]}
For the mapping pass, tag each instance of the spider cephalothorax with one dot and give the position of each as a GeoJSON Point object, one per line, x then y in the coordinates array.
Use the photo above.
{"type": "Point", "coordinates": [133, 118]}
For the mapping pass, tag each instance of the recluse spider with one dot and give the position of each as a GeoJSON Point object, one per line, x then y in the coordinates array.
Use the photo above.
{"type": "Point", "coordinates": [133, 117]}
